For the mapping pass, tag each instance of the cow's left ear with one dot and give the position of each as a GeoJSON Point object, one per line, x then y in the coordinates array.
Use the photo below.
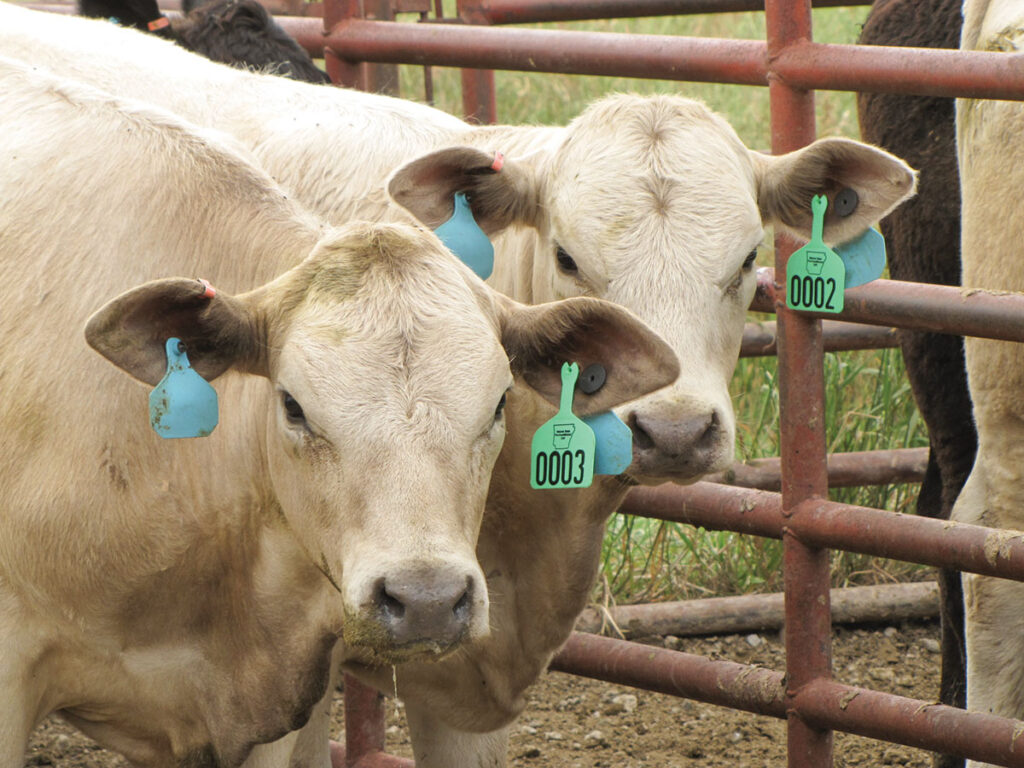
{"type": "Point", "coordinates": [540, 338]}
{"type": "Point", "coordinates": [501, 192]}
{"type": "Point", "coordinates": [218, 330]}
{"type": "Point", "coordinates": [786, 184]}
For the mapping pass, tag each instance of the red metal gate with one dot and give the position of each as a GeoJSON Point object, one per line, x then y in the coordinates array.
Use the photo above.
{"type": "Point", "coordinates": [790, 64]}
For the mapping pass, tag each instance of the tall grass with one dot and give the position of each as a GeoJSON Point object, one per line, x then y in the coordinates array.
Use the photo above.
{"type": "Point", "coordinates": [869, 405]}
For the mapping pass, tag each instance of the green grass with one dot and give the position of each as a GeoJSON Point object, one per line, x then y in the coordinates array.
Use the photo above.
{"type": "Point", "coordinates": [869, 405]}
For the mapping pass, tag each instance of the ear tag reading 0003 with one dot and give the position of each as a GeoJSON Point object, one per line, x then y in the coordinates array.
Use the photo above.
{"type": "Point", "coordinates": [815, 275]}
{"type": "Point", "coordinates": [562, 452]}
{"type": "Point", "coordinates": [183, 403]}
{"type": "Point", "coordinates": [462, 236]}
{"type": "Point", "coordinates": [864, 258]}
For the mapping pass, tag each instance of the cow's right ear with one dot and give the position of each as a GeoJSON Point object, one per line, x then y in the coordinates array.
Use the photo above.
{"type": "Point", "coordinates": [540, 338]}
{"type": "Point", "coordinates": [219, 331]}
{"type": "Point", "coordinates": [501, 192]}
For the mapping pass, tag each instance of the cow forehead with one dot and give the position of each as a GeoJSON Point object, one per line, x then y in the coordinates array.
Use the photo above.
{"type": "Point", "coordinates": [656, 179]}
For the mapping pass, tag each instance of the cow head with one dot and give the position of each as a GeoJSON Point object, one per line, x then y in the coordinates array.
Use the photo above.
{"type": "Point", "coordinates": [655, 204]}
{"type": "Point", "coordinates": [387, 365]}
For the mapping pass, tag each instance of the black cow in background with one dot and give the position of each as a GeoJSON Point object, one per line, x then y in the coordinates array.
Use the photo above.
{"type": "Point", "coordinates": [923, 238]}
{"type": "Point", "coordinates": [237, 32]}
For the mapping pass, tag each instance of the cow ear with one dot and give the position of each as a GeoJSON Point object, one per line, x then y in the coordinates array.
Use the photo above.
{"type": "Point", "coordinates": [500, 192]}
{"type": "Point", "coordinates": [540, 338]}
{"type": "Point", "coordinates": [218, 330]}
{"type": "Point", "coordinates": [786, 184]}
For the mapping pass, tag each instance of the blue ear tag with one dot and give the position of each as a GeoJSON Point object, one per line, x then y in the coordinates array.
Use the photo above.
{"type": "Point", "coordinates": [183, 403]}
{"type": "Point", "coordinates": [614, 450]}
{"type": "Point", "coordinates": [463, 237]}
{"type": "Point", "coordinates": [864, 257]}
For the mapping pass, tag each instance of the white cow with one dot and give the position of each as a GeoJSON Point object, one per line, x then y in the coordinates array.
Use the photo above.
{"type": "Point", "coordinates": [178, 600]}
{"type": "Point", "coordinates": [653, 203]}
{"type": "Point", "coordinates": [991, 154]}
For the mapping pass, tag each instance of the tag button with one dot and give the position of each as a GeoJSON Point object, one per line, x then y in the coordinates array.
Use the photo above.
{"type": "Point", "coordinates": [592, 378]}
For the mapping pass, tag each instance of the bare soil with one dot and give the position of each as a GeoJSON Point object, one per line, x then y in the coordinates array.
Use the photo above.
{"type": "Point", "coordinates": [575, 723]}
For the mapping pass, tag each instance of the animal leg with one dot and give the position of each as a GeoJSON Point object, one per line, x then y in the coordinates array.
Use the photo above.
{"type": "Point", "coordinates": [437, 745]}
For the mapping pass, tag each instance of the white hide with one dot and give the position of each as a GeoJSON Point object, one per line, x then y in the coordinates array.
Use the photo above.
{"type": "Point", "coordinates": [655, 199]}
{"type": "Point", "coordinates": [991, 155]}
{"type": "Point", "coordinates": [178, 600]}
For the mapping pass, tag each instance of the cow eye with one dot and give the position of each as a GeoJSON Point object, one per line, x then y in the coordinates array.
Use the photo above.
{"type": "Point", "coordinates": [500, 410]}
{"type": "Point", "coordinates": [565, 261]}
{"type": "Point", "coordinates": [292, 409]}
{"type": "Point", "coordinates": [749, 261]}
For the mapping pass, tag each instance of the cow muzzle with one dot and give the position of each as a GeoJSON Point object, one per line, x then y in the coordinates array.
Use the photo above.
{"type": "Point", "coordinates": [419, 613]}
{"type": "Point", "coordinates": [678, 442]}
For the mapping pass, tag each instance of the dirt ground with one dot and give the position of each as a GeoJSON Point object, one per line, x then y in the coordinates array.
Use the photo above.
{"type": "Point", "coordinates": [576, 723]}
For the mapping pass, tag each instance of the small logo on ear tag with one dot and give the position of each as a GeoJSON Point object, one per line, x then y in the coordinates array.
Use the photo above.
{"type": "Point", "coordinates": [183, 403]}
{"type": "Point", "coordinates": [463, 237]}
{"type": "Point", "coordinates": [613, 443]}
{"type": "Point", "coordinates": [815, 275]}
{"type": "Point", "coordinates": [864, 257]}
{"type": "Point", "coordinates": [562, 452]}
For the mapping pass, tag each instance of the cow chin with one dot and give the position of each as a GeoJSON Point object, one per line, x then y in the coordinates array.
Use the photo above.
{"type": "Point", "coordinates": [372, 645]}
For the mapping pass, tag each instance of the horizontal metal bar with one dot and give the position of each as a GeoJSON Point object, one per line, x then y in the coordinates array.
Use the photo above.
{"type": "Point", "coordinates": [308, 32]}
{"type": "Point", "coordinates": [974, 735]}
{"type": "Point", "coordinates": [534, 50]}
{"type": "Point", "coordinates": [977, 74]}
{"type": "Point", "coordinates": [531, 11]}
{"type": "Point", "coordinates": [988, 551]}
{"type": "Point", "coordinates": [726, 683]}
{"type": "Point", "coordinates": [919, 307]}
{"type": "Point", "coordinates": [821, 703]}
{"type": "Point", "coordinates": [760, 339]}
{"type": "Point", "coordinates": [845, 470]}
{"type": "Point", "coordinates": [755, 613]}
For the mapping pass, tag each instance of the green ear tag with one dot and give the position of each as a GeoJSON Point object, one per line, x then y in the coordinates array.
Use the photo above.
{"type": "Point", "coordinates": [815, 275]}
{"type": "Point", "coordinates": [562, 453]}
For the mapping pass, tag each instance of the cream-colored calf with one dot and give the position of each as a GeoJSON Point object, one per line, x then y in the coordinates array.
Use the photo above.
{"type": "Point", "coordinates": [178, 600]}
{"type": "Point", "coordinates": [989, 137]}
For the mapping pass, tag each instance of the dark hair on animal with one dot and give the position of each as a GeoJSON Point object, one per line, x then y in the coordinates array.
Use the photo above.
{"type": "Point", "coordinates": [236, 32]}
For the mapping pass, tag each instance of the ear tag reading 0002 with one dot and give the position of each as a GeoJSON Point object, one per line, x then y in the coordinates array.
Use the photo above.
{"type": "Point", "coordinates": [864, 257]}
{"type": "Point", "coordinates": [815, 275]}
{"type": "Point", "coordinates": [183, 403]}
{"type": "Point", "coordinates": [462, 236]}
{"type": "Point", "coordinates": [562, 452]}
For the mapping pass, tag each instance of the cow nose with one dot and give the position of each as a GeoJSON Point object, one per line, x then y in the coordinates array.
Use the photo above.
{"type": "Point", "coordinates": [674, 446]}
{"type": "Point", "coordinates": [433, 607]}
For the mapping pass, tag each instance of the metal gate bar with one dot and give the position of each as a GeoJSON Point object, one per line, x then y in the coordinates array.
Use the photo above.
{"type": "Point", "coordinates": [965, 547]}
{"type": "Point", "coordinates": [824, 703]}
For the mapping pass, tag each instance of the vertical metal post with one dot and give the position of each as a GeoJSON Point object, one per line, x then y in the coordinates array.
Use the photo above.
{"type": "Point", "coordinates": [342, 72]}
{"type": "Point", "coordinates": [802, 416]}
{"type": "Point", "coordinates": [364, 721]}
{"type": "Point", "coordinates": [478, 97]}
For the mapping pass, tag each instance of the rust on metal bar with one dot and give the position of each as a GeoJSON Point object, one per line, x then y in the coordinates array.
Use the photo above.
{"type": "Point", "coordinates": [308, 33]}
{"type": "Point", "coordinates": [963, 547]}
{"type": "Point", "coordinates": [823, 703]}
{"type": "Point", "coordinates": [531, 11]}
{"type": "Point", "coordinates": [919, 307]}
{"type": "Point", "coordinates": [760, 339]}
{"type": "Point", "coordinates": [845, 470]}
{"type": "Point", "coordinates": [536, 50]}
{"type": "Point", "coordinates": [364, 721]}
{"type": "Point", "coordinates": [727, 683]}
{"type": "Point", "coordinates": [754, 613]}
{"type": "Point", "coordinates": [373, 759]}
{"type": "Point", "coordinates": [936, 727]}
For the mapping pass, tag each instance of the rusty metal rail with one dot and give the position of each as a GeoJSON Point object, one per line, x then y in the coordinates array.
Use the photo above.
{"type": "Point", "coordinates": [822, 703]}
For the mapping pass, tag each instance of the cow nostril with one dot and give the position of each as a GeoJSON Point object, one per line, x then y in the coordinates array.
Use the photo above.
{"type": "Point", "coordinates": [463, 605]}
{"type": "Point", "coordinates": [710, 436]}
{"type": "Point", "coordinates": [641, 438]}
{"type": "Point", "coordinates": [390, 605]}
